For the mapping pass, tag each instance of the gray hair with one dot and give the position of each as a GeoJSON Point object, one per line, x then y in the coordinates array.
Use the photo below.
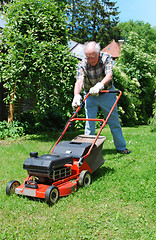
{"type": "Point", "coordinates": [93, 44]}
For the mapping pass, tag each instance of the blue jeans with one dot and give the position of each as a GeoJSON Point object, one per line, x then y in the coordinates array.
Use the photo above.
{"type": "Point", "coordinates": [105, 101]}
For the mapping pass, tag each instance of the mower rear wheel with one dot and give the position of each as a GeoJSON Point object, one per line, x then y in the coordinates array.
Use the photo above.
{"type": "Point", "coordinates": [85, 178]}
{"type": "Point", "coordinates": [10, 188]}
{"type": "Point", "coordinates": [52, 195]}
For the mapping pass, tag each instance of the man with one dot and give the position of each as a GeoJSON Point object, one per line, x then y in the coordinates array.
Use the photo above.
{"type": "Point", "coordinates": [94, 74]}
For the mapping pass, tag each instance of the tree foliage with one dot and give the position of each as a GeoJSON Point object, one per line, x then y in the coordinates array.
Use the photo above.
{"type": "Point", "coordinates": [93, 20]}
{"type": "Point", "coordinates": [2, 4]}
{"type": "Point", "coordinates": [145, 34]}
{"type": "Point", "coordinates": [35, 59]}
{"type": "Point", "coordinates": [139, 68]}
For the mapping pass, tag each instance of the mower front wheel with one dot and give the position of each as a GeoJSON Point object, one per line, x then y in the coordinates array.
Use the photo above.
{"type": "Point", "coordinates": [10, 188]}
{"type": "Point", "coordinates": [52, 195]}
{"type": "Point", "coordinates": [85, 178]}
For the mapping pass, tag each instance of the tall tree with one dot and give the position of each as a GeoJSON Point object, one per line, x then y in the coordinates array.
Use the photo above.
{"type": "Point", "coordinates": [34, 59]}
{"type": "Point", "coordinates": [145, 32]}
{"type": "Point", "coordinates": [2, 3]}
{"type": "Point", "coordinates": [93, 20]}
{"type": "Point", "coordinates": [78, 19]}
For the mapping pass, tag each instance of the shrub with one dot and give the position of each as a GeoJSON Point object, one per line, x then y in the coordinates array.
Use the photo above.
{"type": "Point", "coordinates": [13, 130]}
{"type": "Point", "coordinates": [140, 68]}
{"type": "Point", "coordinates": [51, 120]}
{"type": "Point", "coordinates": [128, 103]}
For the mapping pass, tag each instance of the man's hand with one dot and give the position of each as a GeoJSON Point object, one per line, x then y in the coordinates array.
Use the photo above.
{"type": "Point", "coordinates": [94, 91]}
{"type": "Point", "coordinates": [76, 101]}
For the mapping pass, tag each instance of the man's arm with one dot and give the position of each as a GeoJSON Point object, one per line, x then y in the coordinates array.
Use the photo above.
{"type": "Point", "coordinates": [78, 87]}
{"type": "Point", "coordinates": [107, 79]}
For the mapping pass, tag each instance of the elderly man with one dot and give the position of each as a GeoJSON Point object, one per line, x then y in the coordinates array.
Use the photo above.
{"type": "Point", "coordinates": [94, 74]}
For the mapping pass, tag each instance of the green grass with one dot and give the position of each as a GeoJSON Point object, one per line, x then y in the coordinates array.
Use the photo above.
{"type": "Point", "coordinates": [119, 204]}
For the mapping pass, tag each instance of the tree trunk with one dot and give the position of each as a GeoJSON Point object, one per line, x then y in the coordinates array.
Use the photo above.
{"type": "Point", "coordinates": [11, 109]}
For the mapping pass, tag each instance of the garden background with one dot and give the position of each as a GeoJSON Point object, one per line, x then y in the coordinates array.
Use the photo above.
{"type": "Point", "coordinates": [37, 66]}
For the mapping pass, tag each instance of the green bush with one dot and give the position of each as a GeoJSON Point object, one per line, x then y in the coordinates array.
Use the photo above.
{"type": "Point", "coordinates": [13, 130]}
{"type": "Point", "coordinates": [51, 120]}
{"type": "Point", "coordinates": [138, 85]}
{"type": "Point", "coordinates": [129, 101]}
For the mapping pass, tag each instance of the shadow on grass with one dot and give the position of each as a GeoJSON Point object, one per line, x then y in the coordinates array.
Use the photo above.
{"type": "Point", "coordinates": [32, 199]}
{"type": "Point", "coordinates": [102, 171]}
{"type": "Point", "coordinates": [117, 155]}
{"type": "Point", "coordinates": [108, 151]}
{"type": "Point", "coordinates": [129, 163]}
{"type": "Point", "coordinates": [43, 137]}
{"type": "Point", "coordinates": [53, 136]}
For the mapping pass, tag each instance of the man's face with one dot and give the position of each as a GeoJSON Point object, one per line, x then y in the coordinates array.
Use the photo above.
{"type": "Point", "coordinates": [92, 57]}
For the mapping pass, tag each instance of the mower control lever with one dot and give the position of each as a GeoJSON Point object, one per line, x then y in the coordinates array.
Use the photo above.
{"type": "Point", "coordinates": [81, 160]}
{"type": "Point", "coordinates": [31, 184]}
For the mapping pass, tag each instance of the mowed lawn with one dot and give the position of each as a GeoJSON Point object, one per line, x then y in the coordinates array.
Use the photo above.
{"type": "Point", "coordinates": [119, 204]}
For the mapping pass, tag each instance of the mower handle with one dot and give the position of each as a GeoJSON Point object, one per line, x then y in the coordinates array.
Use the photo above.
{"type": "Point", "coordinates": [103, 91]}
{"type": "Point", "coordinates": [84, 119]}
{"type": "Point", "coordinates": [83, 101]}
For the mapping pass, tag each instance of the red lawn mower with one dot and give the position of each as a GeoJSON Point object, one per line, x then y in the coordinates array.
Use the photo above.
{"type": "Point", "coordinates": [70, 163]}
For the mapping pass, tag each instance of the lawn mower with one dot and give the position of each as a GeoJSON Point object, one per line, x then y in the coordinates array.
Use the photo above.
{"type": "Point", "coordinates": [69, 164]}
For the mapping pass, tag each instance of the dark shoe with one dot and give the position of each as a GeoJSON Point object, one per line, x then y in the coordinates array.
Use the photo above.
{"type": "Point", "coordinates": [126, 151]}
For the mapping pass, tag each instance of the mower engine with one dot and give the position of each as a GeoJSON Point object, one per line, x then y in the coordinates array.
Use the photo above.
{"type": "Point", "coordinates": [53, 167]}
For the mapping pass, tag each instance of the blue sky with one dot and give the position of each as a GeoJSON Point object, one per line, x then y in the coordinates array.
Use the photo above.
{"type": "Point", "coordinates": [1, 22]}
{"type": "Point", "coordinates": [142, 10]}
